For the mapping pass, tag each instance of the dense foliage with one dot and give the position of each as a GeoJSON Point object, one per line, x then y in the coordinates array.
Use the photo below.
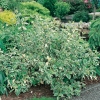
{"type": "Point", "coordinates": [96, 3]}
{"type": "Point", "coordinates": [78, 5]}
{"type": "Point", "coordinates": [81, 16]}
{"type": "Point", "coordinates": [9, 4]}
{"type": "Point", "coordinates": [49, 4]}
{"type": "Point", "coordinates": [35, 50]}
{"type": "Point", "coordinates": [94, 39]}
{"type": "Point", "coordinates": [44, 54]}
{"type": "Point", "coordinates": [61, 9]}
{"type": "Point", "coordinates": [57, 8]}
{"type": "Point", "coordinates": [94, 34]}
{"type": "Point", "coordinates": [8, 17]}
{"type": "Point", "coordinates": [32, 7]}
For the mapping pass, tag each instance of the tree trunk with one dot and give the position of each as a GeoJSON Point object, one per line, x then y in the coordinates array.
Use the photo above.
{"type": "Point", "coordinates": [94, 10]}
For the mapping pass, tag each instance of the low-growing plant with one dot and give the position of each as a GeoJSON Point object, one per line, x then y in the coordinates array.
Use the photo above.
{"type": "Point", "coordinates": [8, 17]}
{"type": "Point", "coordinates": [61, 9]}
{"type": "Point", "coordinates": [45, 54]}
{"type": "Point", "coordinates": [81, 16]}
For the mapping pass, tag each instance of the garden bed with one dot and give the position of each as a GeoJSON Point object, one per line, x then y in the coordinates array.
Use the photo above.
{"type": "Point", "coordinates": [41, 91]}
{"type": "Point", "coordinates": [38, 91]}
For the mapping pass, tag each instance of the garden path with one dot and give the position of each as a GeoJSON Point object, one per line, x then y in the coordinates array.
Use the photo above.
{"type": "Point", "coordinates": [91, 92]}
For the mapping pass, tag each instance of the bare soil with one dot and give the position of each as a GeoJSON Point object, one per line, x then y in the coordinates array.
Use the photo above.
{"type": "Point", "coordinates": [42, 90]}
{"type": "Point", "coordinates": [90, 81]}
{"type": "Point", "coordinates": [38, 91]}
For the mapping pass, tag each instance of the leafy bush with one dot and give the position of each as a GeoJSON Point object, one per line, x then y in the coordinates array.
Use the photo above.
{"type": "Point", "coordinates": [49, 4]}
{"type": "Point", "coordinates": [9, 4]}
{"type": "Point", "coordinates": [45, 54]}
{"type": "Point", "coordinates": [8, 17]}
{"type": "Point", "coordinates": [3, 89]}
{"type": "Point", "coordinates": [94, 34]}
{"type": "Point", "coordinates": [94, 39]}
{"type": "Point", "coordinates": [79, 5]}
{"type": "Point", "coordinates": [34, 7]}
{"type": "Point", "coordinates": [98, 9]}
{"type": "Point", "coordinates": [81, 16]}
{"type": "Point", "coordinates": [4, 4]}
{"type": "Point", "coordinates": [30, 9]}
{"type": "Point", "coordinates": [19, 76]}
{"type": "Point", "coordinates": [61, 9]}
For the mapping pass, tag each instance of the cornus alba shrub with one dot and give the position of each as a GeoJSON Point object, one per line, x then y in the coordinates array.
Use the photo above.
{"type": "Point", "coordinates": [44, 53]}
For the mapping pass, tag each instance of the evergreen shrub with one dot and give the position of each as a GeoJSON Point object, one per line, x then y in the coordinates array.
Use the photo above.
{"type": "Point", "coordinates": [49, 4]}
{"type": "Point", "coordinates": [94, 34]}
{"type": "Point", "coordinates": [32, 7]}
{"type": "Point", "coordinates": [61, 9]}
{"type": "Point", "coordinates": [8, 17]}
{"type": "Point", "coordinates": [81, 16]}
{"type": "Point", "coordinates": [94, 39]}
{"type": "Point", "coordinates": [79, 5]}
